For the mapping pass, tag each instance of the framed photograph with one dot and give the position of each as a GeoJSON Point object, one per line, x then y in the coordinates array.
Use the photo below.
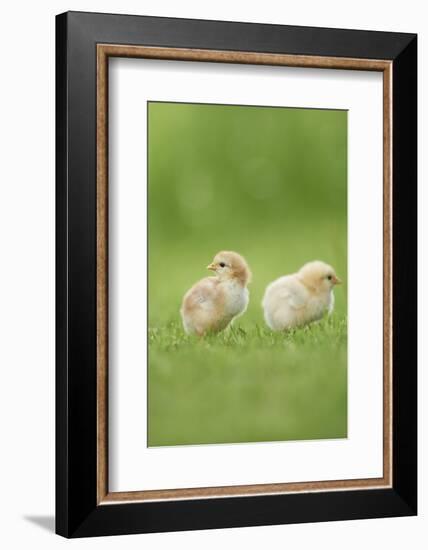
{"type": "Point", "coordinates": [279, 386]}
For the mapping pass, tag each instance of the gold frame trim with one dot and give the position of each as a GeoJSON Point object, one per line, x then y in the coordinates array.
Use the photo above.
{"type": "Point", "coordinates": [104, 51]}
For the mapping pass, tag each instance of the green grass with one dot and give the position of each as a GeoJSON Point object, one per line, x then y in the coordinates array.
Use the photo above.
{"type": "Point", "coordinates": [248, 385]}
{"type": "Point", "coordinates": [271, 184]}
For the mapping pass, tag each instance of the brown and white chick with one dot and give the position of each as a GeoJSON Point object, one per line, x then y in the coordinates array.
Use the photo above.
{"type": "Point", "coordinates": [298, 299]}
{"type": "Point", "coordinates": [213, 302]}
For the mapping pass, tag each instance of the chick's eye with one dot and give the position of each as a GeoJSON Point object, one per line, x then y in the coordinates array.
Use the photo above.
{"type": "Point", "coordinates": [222, 264]}
{"type": "Point", "coordinates": [329, 277]}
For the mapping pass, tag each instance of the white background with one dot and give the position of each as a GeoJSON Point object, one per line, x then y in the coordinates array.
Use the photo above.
{"type": "Point", "coordinates": [27, 274]}
{"type": "Point", "coordinates": [133, 466]}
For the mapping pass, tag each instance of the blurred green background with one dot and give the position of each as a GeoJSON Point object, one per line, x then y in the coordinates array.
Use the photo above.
{"type": "Point", "coordinates": [271, 184]}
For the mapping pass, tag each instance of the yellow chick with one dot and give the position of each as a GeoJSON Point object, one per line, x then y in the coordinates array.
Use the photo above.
{"type": "Point", "coordinates": [213, 302]}
{"type": "Point", "coordinates": [298, 299]}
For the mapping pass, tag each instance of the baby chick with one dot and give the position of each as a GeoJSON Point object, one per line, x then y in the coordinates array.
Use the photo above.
{"type": "Point", "coordinates": [212, 303]}
{"type": "Point", "coordinates": [298, 299]}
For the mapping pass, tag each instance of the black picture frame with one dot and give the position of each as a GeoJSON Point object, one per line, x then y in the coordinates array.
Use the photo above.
{"type": "Point", "coordinates": [77, 511]}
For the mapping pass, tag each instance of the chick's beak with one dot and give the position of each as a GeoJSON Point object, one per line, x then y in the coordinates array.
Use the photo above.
{"type": "Point", "coordinates": [337, 281]}
{"type": "Point", "coordinates": [211, 267]}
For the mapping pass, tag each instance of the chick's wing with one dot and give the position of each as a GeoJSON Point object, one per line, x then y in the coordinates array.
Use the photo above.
{"type": "Point", "coordinates": [291, 291]}
{"type": "Point", "coordinates": [203, 294]}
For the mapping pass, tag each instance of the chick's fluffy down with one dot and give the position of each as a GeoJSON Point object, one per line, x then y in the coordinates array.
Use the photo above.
{"type": "Point", "coordinates": [213, 302]}
{"type": "Point", "coordinates": [300, 298]}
